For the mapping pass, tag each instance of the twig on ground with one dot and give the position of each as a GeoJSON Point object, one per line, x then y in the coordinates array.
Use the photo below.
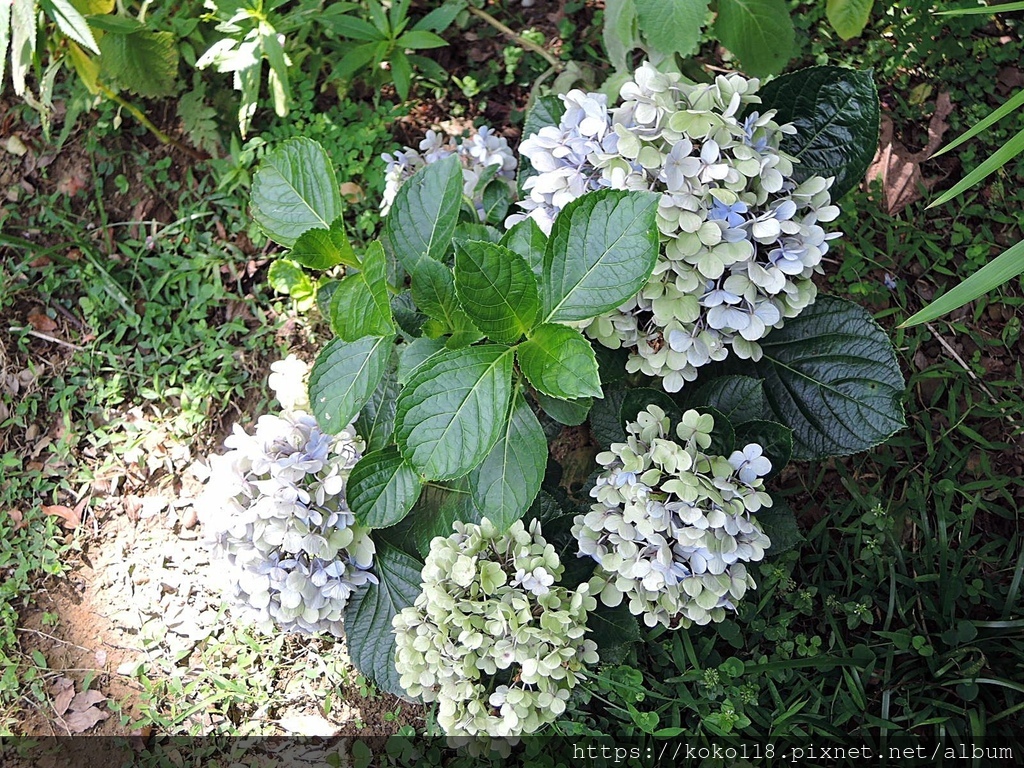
{"type": "Point", "coordinates": [45, 337]}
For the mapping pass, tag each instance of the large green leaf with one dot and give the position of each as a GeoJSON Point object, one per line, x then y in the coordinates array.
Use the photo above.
{"type": "Point", "coordinates": [602, 249]}
{"type": "Point", "coordinates": [285, 276]}
{"type": "Point", "coordinates": [672, 26]}
{"type": "Point", "coordinates": [848, 17]}
{"type": "Point", "coordinates": [433, 290]}
{"type": "Point", "coordinates": [71, 22]}
{"type": "Point", "coordinates": [376, 422]}
{"type": "Point", "coordinates": [496, 289]}
{"type": "Point", "coordinates": [836, 115]}
{"type": "Point", "coordinates": [779, 523]}
{"type": "Point", "coordinates": [382, 488]}
{"type": "Point", "coordinates": [619, 32]}
{"type": "Point", "coordinates": [759, 32]}
{"type": "Point", "coordinates": [426, 209]}
{"type": "Point", "coordinates": [24, 26]}
{"type": "Point", "coordinates": [145, 62]}
{"type": "Point", "coordinates": [504, 486]}
{"type": "Point", "coordinates": [5, 37]}
{"type": "Point", "coordinates": [360, 305]}
{"type": "Point", "coordinates": [614, 630]}
{"type": "Point", "coordinates": [453, 409]}
{"type": "Point", "coordinates": [323, 248]}
{"type": "Point", "coordinates": [740, 398]}
{"type": "Point", "coordinates": [529, 241]}
{"type": "Point", "coordinates": [368, 615]}
{"type": "Point", "coordinates": [831, 375]}
{"type": "Point", "coordinates": [344, 378]}
{"type": "Point", "coordinates": [572, 413]}
{"type": "Point", "coordinates": [295, 190]}
{"type": "Point", "coordinates": [606, 422]}
{"type": "Point", "coordinates": [559, 361]}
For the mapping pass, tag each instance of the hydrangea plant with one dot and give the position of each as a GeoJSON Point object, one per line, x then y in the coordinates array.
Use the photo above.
{"type": "Point", "coordinates": [274, 509]}
{"type": "Point", "coordinates": [740, 238]}
{"type": "Point", "coordinates": [492, 637]}
{"type": "Point", "coordinates": [671, 527]}
{"type": "Point", "coordinates": [458, 347]}
{"type": "Point", "coordinates": [488, 168]}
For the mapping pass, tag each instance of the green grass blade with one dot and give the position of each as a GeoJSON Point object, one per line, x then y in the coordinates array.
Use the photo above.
{"type": "Point", "coordinates": [999, 158]}
{"type": "Point", "coordinates": [983, 9]}
{"type": "Point", "coordinates": [1004, 267]}
{"type": "Point", "coordinates": [1012, 104]}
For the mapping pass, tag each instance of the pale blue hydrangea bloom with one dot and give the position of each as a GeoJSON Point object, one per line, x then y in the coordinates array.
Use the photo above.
{"type": "Point", "coordinates": [674, 541]}
{"type": "Point", "coordinates": [274, 510]}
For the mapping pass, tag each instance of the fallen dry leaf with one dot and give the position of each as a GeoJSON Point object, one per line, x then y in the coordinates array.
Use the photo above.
{"type": "Point", "coordinates": [73, 182]}
{"type": "Point", "coordinates": [86, 699]}
{"type": "Point", "coordinates": [41, 321]}
{"type": "Point", "coordinates": [72, 518]}
{"type": "Point", "coordinates": [352, 192]}
{"type": "Point", "coordinates": [899, 168]}
{"type": "Point", "coordinates": [79, 722]}
{"type": "Point", "coordinates": [63, 691]}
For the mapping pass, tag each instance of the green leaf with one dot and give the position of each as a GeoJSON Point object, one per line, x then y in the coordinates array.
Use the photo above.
{"type": "Point", "coordinates": [24, 26]}
{"type": "Point", "coordinates": [497, 199]}
{"type": "Point", "coordinates": [376, 422]}
{"type": "Point", "coordinates": [409, 318]}
{"type": "Point", "coordinates": [360, 306]}
{"type": "Point", "coordinates": [759, 32]}
{"type": "Point", "coordinates": [504, 486]}
{"type": "Point", "coordinates": [602, 249]}
{"type": "Point", "coordinates": [324, 295]}
{"type": "Point", "coordinates": [357, 58]}
{"type": "Point", "coordinates": [983, 10]}
{"type": "Point", "coordinates": [414, 353]}
{"type": "Point", "coordinates": [144, 62]}
{"type": "Point", "coordinates": [434, 513]}
{"type": "Point", "coordinates": [672, 26]}
{"type": "Point", "coordinates": [619, 33]}
{"type": "Point", "coordinates": [426, 209]}
{"type": "Point", "coordinates": [606, 422]}
{"type": "Point", "coordinates": [441, 18]}
{"type": "Point", "coordinates": [614, 630]}
{"type": "Point", "coordinates": [323, 249]}
{"type": "Point", "coordinates": [1008, 151]}
{"type": "Point", "coordinates": [344, 378]}
{"type": "Point", "coordinates": [354, 28]}
{"type": "Point", "coordinates": [401, 74]}
{"type": "Point", "coordinates": [774, 438]}
{"type": "Point", "coordinates": [453, 410]}
{"type": "Point", "coordinates": [497, 290]}
{"type": "Point", "coordinates": [559, 362]}
{"type": "Point", "coordinates": [836, 115]}
{"type": "Point", "coordinates": [1000, 270]}
{"type": "Point", "coordinates": [419, 39]}
{"type": "Point", "coordinates": [70, 22]}
{"type": "Point", "coordinates": [572, 413]}
{"type": "Point", "coordinates": [780, 525]}
{"type": "Point", "coordinates": [848, 17]}
{"type": "Point", "coordinates": [287, 277]}
{"type": "Point", "coordinates": [529, 241]}
{"type": "Point", "coordinates": [433, 290]}
{"type": "Point", "coordinates": [1012, 104]}
{"type": "Point", "coordinates": [831, 375]}
{"type": "Point", "coordinates": [88, 7]}
{"type": "Point", "coordinates": [368, 615]}
{"type": "Point", "coordinates": [278, 77]}
{"type": "Point", "coordinates": [382, 488]}
{"type": "Point", "coordinates": [740, 398]}
{"type": "Point", "coordinates": [295, 190]}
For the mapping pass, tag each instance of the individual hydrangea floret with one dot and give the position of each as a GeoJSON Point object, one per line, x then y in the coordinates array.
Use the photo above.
{"type": "Point", "coordinates": [492, 638]}
{"type": "Point", "coordinates": [671, 528]}
{"type": "Point", "coordinates": [740, 237]}
{"type": "Point", "coordinates": [274, 509]}
{"type": "Point", "coordinates": [484, 156]}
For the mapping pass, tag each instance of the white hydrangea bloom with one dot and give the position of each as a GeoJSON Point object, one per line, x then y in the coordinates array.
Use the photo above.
{"type": "Point", "coordinates": [671, 528]}
{"type": "Point", "coordinates": [492, 638]}
{"type": "Point", "coordinates": [274, 509]}
{"type": "Point", "coordinates": [740, 238]}
{"type": "Point", "coordinates": [484, 155]}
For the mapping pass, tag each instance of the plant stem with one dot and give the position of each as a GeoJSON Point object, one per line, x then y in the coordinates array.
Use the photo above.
{"type": "Point", "coordinates": [527, 44]}
{"type": "Point", "coordinates": [147, 123]}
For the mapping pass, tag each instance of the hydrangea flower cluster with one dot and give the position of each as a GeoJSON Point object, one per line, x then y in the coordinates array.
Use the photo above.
{"type": "Point", "coordinates": [740, 237]}
{"type": "Point", "coordinates": [672, 527]}
{"type": "Point", "coordinates": [274, 508]}
{"type": "Point", "coordinates": [492, 638]}
{"type": "Point", "coordinates": [484, 155]}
